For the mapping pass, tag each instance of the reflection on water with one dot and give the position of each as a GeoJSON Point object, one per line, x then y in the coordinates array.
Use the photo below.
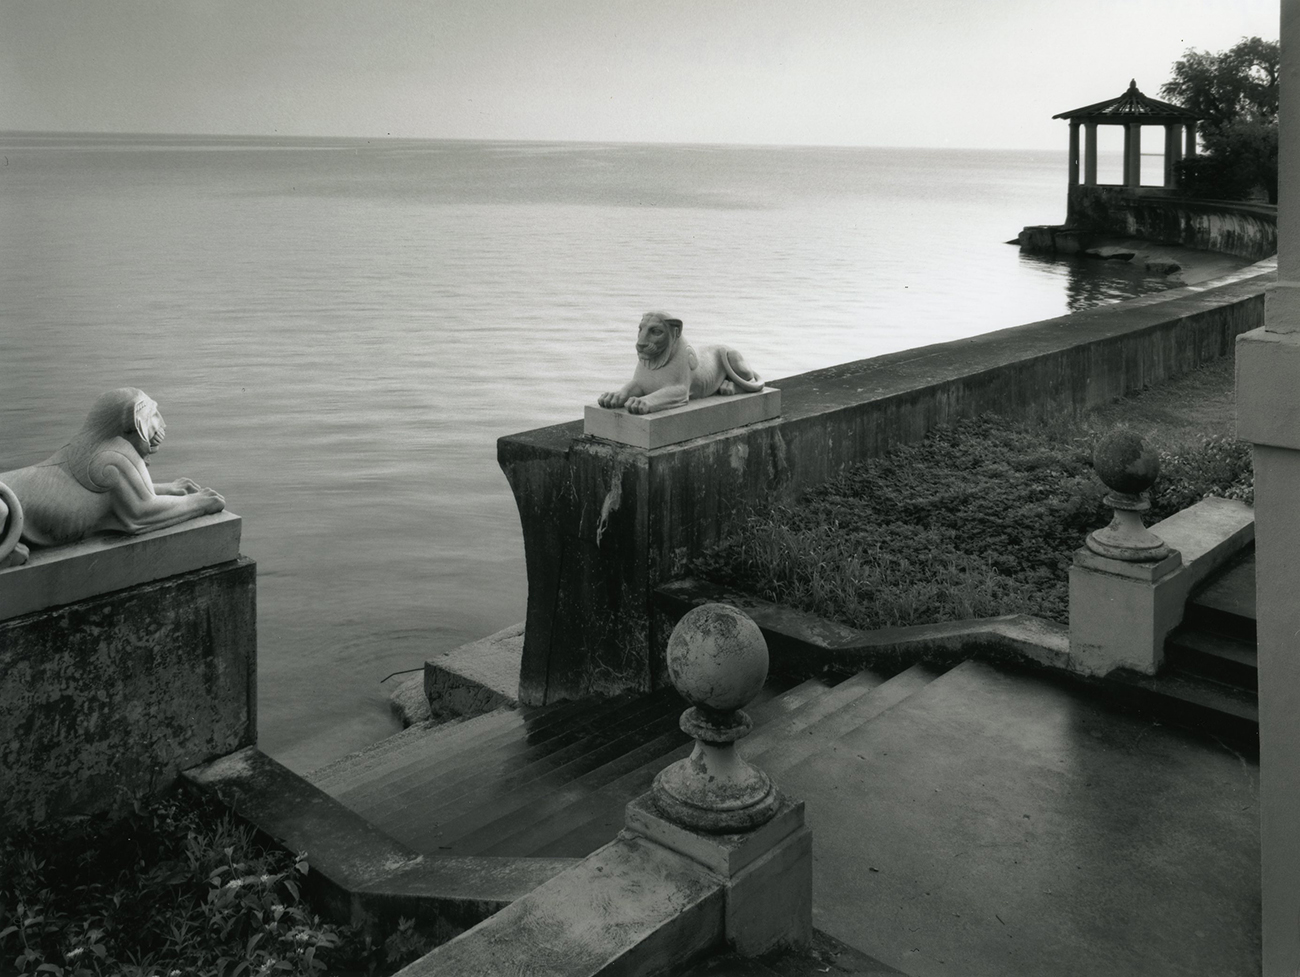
{"type": "Point", "coordinates": [1090, 281]}
{"type": "Point", "coordinates": [338, 331]}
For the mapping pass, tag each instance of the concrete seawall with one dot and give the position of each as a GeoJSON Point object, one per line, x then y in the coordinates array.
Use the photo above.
{"type": "Point", "coordinates": [1097, 213]}
{"type": "Point", "coordinates": [604, 524]}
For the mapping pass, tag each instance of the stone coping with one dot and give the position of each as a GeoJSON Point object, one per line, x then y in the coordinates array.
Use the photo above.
{"type": "Point", "coordinates": [697, 419]}
{"type": "Point", "coordinates": [60, 575]}
{"type": "Point", "coordinates": [905, 374]}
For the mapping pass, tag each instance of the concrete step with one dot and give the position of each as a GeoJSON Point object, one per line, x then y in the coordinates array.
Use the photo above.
{"type": "Point", "coordinates": [415, 808]}
{"type": "Point", "coordinates": [442, 758]}
{"type": "Point", "coordinates": [539, 786]}
{"type": "Point", "coordinates": [775, 753]}
{"type": "Point", "coordinates": [417, 745]}
{"type": "Point", "coordinates": [475, 762]}
{"type": "Point", "coordinates": [1227, 603]}
{"type": "Point", "coordinates": [560, 809]}
{"type": "Point", "coordinates": [1186, 699]}
{"type": "Point", "coordinates": [780, 727]}
{"type": "Point", "coordinates": [1230, 660]}
{"type": "Point", "coordinates": [578, 820]}
{"type": "Point", "coordinates": [515, 797]}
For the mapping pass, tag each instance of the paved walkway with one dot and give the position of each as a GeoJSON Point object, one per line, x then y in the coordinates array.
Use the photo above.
{"type": "Point", "coordinates": [1002, 824]}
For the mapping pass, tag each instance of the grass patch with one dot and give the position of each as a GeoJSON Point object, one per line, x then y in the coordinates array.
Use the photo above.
{"type": "Point", "coordinates": [174, 888]}
{"type": "Point", "coordinates": [980, 519]}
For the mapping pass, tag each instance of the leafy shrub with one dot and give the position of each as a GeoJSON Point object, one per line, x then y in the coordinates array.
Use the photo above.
{"type": "Point", "coordinates": [175, 888]}
{"type": "Point", "coordinates": [978, 520]}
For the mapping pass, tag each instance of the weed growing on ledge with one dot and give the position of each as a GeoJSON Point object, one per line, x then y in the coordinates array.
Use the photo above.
{"type": "Point", "coordinates": [978, 520]}
{"type": "Point", "coordinates": [174, 888]}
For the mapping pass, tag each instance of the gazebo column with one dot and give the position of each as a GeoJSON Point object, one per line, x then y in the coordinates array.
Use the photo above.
{"type": "Point", "coordinates": [1191, 139]}
{"type": "Point", "coordinates": [1173, 152]}
{"type": "Point", "coordinates": [1090, 154]}
{"type": "Point", "coordinates": [1132, 154]}
{"type": "Point", "coordinates": [1074, 153]}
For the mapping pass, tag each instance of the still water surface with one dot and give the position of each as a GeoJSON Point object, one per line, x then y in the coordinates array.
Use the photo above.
{"type": "Point", "coordinates": [338, 331]}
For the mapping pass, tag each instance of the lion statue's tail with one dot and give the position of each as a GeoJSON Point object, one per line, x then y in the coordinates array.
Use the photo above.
{"type": "Point", "coordinates": [751, 386]}
{"type": "Point", "coordinates": [11, 528]}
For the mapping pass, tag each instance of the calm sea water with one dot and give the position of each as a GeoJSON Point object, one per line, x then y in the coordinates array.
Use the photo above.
{"type": "Point", "coordinates": [338, 331]}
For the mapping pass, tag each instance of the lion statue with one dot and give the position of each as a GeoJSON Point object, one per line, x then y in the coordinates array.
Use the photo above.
{"type": "Point", "coordinates": [669, 372]}
{"type": "Point", "coordinates": [98, 482]}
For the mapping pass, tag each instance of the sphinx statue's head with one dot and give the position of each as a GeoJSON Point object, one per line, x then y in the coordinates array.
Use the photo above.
{"type": "Point", "coordinates": [656, 338]}
{"type": "Point", "coordinates": [126, 413]}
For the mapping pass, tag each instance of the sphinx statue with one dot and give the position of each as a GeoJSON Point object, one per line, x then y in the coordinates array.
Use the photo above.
{"type": "Point", "coordinates": [98, 483]}
{"type": "Point", "coordinates": [669, 372]}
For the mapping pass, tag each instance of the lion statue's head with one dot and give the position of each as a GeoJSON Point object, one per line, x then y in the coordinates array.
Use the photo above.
{"type": "Point", "coordinates": [656, 338]}
{"type": "Point", "coordinates": [126, 413]}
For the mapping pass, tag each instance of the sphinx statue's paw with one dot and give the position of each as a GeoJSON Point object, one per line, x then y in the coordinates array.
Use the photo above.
{"type": "Point", "coordinates": [611, 400]}
{"type": "Point", "coordinates": [211, 499]}
{"type": "Point", "coordinates": [16, 558]}
{"type": "Point", "coordinates": [638, 405]}
{"type": "Point", "coordinates": [726, 388]}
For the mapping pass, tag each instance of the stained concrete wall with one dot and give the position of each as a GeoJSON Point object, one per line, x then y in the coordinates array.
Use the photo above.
{"type": "Point", "coordinates": [118, 693]}
{"type": "Point", "coordinates": [1244, 229]}
{"type": "Point", "coordinates": [604, 524]}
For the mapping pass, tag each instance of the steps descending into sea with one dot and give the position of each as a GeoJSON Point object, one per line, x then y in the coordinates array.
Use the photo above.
{"type": "Point", "coordinates": [553, 781]}
{"type": "Point", "coordinates": [976, 819]}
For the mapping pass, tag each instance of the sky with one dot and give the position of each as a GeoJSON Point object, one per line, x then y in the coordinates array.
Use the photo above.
{"type": "Point", "coordinates": [931, 73]}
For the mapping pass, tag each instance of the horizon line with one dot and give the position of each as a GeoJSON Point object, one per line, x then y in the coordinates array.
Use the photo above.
{"type": "Point", "coordinates": [70, 133]}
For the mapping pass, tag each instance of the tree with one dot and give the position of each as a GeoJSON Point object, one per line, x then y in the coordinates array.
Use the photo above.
{"type": "Point", "coordinates": [1235, 93]}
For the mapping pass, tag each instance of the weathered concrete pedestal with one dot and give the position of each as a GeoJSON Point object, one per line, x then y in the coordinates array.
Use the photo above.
{"type": "Point", "coordinates": [1121, 612]}
{"type": "Point", "coordinates": [766, 873]}
{"type": "Point", "coordinates": [123, 661]}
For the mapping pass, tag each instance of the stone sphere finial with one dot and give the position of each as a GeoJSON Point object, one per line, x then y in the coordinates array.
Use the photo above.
{"type": "Point", "coordinates": [1125, 463]}
{"type": "Point", "coordinates": [717, 660]}
{"type": "Point", "coordinates": [1128, 467]}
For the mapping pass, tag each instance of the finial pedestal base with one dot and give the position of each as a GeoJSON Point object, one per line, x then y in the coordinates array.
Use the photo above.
{"type": "Point", "coordinates": [1126, 538]}
{"type": "Point", "coordinates": [714, 789]}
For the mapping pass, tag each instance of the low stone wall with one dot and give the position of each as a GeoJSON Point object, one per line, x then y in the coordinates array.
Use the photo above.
{"type": "Point", "coordinates": [118, 691]}
{"type": "Point", "coordinates": [604, 524]}
{"type": "Point", "coordinates": [1244, 229]}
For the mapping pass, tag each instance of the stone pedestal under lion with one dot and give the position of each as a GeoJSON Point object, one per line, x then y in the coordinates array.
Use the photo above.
{"type": "Point", "coordinates": [98, 483]}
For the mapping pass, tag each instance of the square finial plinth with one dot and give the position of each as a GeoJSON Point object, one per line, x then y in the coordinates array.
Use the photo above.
{"type": "Point", "coordinates": [726, 854]}
{"type": "Point", "coordinates": [697, 419]}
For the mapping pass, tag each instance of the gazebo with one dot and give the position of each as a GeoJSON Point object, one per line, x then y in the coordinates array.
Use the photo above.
{"type": "Point", "coordinates": [1132, 110]}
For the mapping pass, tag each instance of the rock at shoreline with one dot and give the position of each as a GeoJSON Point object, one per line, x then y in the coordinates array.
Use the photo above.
{"type": "Point", "coordinates": [408, 701]}
{"type": "Point", "coordinates": [1163, 267]}
{"type": "Point", "coordinates": [1111, 253]}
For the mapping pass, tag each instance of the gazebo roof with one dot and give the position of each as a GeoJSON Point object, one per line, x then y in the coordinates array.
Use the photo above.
{"type": "Point", "coordinates": [1132, 106]}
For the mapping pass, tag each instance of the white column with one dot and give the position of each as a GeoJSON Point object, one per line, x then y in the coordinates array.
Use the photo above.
{"type": "Point", "coordinates": [1268, 415]}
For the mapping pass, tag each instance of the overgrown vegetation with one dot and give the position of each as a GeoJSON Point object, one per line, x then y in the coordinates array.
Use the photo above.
{"type": "Point", "coordinates": [978, 520]}
{"type": "Point", "coordinates": [1236, 94]}
{"type": "Point", "coordinates": [174, 888]}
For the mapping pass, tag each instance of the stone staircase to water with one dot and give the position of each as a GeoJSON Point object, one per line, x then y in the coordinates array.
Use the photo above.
{"type": "Point", "coordinates": [554, 781]}
{"type": "Point", "coordinates": [979, 819]}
